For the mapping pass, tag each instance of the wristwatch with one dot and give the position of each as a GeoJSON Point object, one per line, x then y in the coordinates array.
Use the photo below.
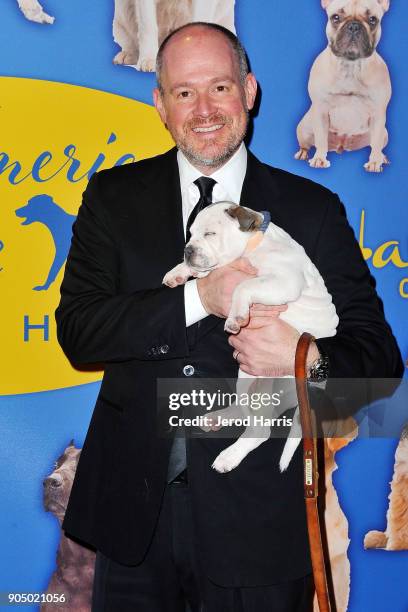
{"type": "Point", "coordinates": [319, 370]}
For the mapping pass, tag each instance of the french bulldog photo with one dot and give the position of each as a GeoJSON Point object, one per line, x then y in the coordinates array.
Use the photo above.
{"type": "Point", "coordinates": [33, 11]}
{"type": "Point", "coordinates": [73, 575]}
{"type": "Point", "coordinates": [139, 26]}
{"type": "Point", "coordinates": [349, 87]}
{"type": "Point", "coordinates": [221, 233]}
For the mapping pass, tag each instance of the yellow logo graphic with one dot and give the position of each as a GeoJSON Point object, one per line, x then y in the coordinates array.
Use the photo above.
{"type": "Point", "coordinates": [54, 136]}
{"type": "Point", "coordinates": [386, 253]}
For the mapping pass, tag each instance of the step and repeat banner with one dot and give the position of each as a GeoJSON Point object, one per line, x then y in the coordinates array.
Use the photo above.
{"type": "Point", "coordinates": [76, 86]}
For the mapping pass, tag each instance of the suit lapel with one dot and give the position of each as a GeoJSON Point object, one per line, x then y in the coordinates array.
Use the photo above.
{"type": "Point", "coordinates": [156, 215]}
{"type": "Point", "coordinates": [259, 190]}
{"type": "Point", "coordinates": [162, 199]}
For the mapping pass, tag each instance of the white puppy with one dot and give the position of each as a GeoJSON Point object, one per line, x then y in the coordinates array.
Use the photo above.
{"type": "Point", "coordinates": [223, 232]}
{"type": "Point", "coordinates": [33, 11]}
{"type": "Point", "coordinates": [140, 25]}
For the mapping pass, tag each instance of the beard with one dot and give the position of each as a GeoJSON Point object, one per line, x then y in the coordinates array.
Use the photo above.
{"type": "Point", "coordinates": [222, 153]}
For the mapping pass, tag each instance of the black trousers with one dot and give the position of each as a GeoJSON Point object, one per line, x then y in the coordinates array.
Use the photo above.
{"type": "Point", "coordinates": [170, 579]}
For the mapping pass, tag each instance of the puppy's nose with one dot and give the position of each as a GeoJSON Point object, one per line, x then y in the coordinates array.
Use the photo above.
{"type": "Point", "coordinates": [52, 482]}
{"type": "Point", "coordinates": [354, 27]}
{"type": "Point", "coordinates": [188, 251]}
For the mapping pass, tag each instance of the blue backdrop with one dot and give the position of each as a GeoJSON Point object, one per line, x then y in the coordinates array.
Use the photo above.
{"type": "Point", "coordinates": [282, 40]}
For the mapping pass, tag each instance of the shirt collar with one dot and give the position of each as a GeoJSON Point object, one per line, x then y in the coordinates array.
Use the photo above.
{"type": "Point", "coordinates": [230, 176]}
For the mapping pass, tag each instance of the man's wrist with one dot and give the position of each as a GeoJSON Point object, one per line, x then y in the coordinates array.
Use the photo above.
{"type": "Point", "coordinates": [193, 305]}
{"type": "Point", "coordinates": [201, 288]}
{"type": "Point", "coordinates": [318, 364]}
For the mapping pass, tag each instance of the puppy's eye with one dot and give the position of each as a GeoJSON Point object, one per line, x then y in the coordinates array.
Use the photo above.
{"type": "Point", "coordinates": [373, 20]}
{"type": "Point", "coordinates": [335, 18]}
{"type": "Point", "coordinates": [209, 234]}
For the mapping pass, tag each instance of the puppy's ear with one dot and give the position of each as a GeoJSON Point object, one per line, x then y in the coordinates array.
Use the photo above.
{"type": "Point", "coordinates": [249, 220]}
{"type": "Point", "coordinates": [385, 4]}
{"type": "Point", "coordinates": [325, 3]}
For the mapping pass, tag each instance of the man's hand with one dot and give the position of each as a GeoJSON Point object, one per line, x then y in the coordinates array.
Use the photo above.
{"type": "Point", "coordinates": [267, 347]}
{"type": "Point", "coordinates": [216, 289]}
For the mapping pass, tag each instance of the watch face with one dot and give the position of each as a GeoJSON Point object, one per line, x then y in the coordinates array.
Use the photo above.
{"type": "Point", "coordinates": [320, 370]}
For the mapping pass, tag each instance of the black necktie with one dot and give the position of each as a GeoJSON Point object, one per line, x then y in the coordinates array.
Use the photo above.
{"type": "Point", "coordinates": [205, 186]}
{"type": "Point", "coordinates": [178, 459]}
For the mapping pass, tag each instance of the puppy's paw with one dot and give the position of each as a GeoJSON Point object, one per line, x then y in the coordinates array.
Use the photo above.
{"type": "Point", "coordinates": [243, 320]}
{"type": "Point", "coordinates": [177, 276]}
{"type": "Point", "coordinates": [283, 464]}
{"type": "Point", "coordinates": [173, 281]}
{"type": "Point", "coordinates": [45, 18]}
{"type": "Point", "coordinates": [319, 162]}
{"type": "Point", "coordinates": [232, 326]}
{"type": "Point", "coordinates": [302, 155]}
{"type": "Point", "coordinates": [38, 15]}
{"type": "Point", "coordinates": [210, 424]}
{"type": "Point", "coordinates": [375, 164]}
{"type": "Point", "coordinates": [125, 58]}
{"type": "Point", "coordinates": [146, 64]}
{"type": "Point", "coordinates": [375, 539]}
{"type": "Point", "coordinates": [227, 460]}
{"type": "Point", "coordinates": [206, 428]}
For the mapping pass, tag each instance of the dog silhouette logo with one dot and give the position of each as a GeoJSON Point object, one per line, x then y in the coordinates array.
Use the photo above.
{"type": "Point", "coordinates": [43, 209]}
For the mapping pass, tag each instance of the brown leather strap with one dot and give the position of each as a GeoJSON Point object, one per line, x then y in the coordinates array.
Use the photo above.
{"type": "Point", "coordinates": [311, 474]}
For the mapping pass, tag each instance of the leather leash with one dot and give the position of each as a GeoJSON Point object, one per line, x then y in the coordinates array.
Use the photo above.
{"type": "Point", "coordinates": [311, 475]}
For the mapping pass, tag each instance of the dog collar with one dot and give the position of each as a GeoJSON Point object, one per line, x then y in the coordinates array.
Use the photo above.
{"type": "Point", "coordinates": [257, 238]}
{"type": "Point", "coordinates": [266, 220]}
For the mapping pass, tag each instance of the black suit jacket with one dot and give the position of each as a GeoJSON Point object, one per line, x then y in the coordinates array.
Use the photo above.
{"type": "Point", "coordinates": [251, 526]}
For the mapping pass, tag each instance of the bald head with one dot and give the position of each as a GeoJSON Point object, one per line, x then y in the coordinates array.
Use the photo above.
{"type": "Point", "coordinates": [189, 34]}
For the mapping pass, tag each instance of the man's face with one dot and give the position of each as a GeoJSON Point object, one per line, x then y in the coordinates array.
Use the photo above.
{"type": "Point", "coordinates": [204, 103]}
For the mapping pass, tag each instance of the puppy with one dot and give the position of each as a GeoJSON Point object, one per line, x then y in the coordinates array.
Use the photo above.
{"type": "Point", "coordinates": [395, 537]}
{"type": "Point", "coordinates": [349, 86]}
{"type": "Point", "coordinates": [73, 576]}
{"type": "Point", "coordinates": [223, 232]}
{"type": "Point", "coordinates": [140, 25]}
{"type": "Point", "coordinates": [33, 11]}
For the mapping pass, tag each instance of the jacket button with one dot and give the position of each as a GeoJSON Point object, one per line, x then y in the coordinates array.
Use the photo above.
{"type": "Point", "coordinates": [164, 349]}
{"type": "Point", "coordinates": [188, 370]}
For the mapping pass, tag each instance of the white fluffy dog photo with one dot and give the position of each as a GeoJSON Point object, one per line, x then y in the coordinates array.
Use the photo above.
{"type": "Point", "coordinates": [139, 26]}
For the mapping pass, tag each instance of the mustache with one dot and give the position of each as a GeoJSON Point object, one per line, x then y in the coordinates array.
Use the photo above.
{"type": "Point", "coordinates": [207, 121]}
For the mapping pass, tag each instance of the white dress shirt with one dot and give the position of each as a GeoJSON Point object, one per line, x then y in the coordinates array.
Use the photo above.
{"type": "Point", "coordinates": [229, 179]}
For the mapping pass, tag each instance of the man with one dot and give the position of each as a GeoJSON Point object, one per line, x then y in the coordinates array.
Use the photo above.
{"type": "Point", "coordinates": [230, 542]}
